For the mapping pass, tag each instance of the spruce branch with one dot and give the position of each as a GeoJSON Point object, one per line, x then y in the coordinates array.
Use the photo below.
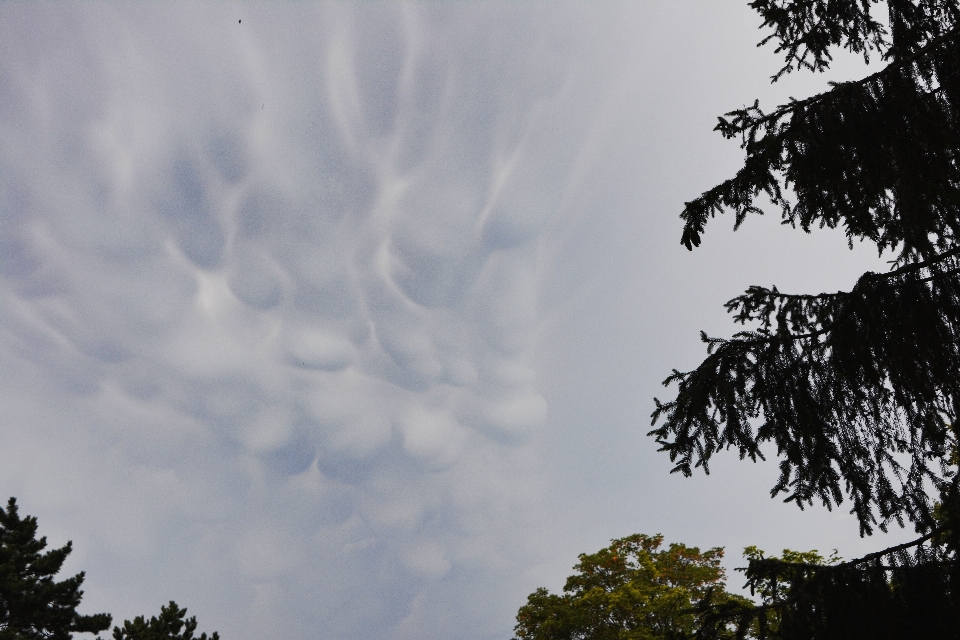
{"type": "Point", "coordinates": [743, 122]}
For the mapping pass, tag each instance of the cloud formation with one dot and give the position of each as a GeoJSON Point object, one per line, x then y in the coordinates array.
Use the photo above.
{"type": "Point", "coordinates": [343, 320]}
{"type": "Point", "coordinates": [270, 290]}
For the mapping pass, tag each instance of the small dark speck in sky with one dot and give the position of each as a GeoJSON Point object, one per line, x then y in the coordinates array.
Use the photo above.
{"type": "Point", "coordinates": [239, 21]}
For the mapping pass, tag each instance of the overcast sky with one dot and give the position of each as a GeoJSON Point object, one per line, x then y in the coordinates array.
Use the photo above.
{"type": "Point", "coordinates": [345, 320]}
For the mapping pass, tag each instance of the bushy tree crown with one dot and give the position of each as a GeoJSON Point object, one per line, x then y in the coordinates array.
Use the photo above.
{"type": "Point", "coordinates": [631, 590]}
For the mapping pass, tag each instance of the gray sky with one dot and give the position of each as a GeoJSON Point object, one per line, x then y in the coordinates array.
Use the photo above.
{"type": "Point", "coordinates": [345, 320]}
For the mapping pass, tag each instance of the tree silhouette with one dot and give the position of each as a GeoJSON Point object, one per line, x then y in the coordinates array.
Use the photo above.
{"type": "Point", "coordinates": [171, 624]}
{"type": "Point", "coordinates": [34, 606]}
{"type": "Point", "coordinates": [858, 390]}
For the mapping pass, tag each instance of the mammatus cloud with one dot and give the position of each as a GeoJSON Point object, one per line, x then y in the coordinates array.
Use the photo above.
{"type": "Point", "coordinates": [270, 292]}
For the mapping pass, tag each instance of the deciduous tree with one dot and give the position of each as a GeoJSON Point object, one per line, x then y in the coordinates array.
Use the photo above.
{"type": "Point", "coordinates": [631, 590]}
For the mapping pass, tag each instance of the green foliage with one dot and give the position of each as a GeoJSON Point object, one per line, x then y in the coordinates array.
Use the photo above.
{"type": "Point", "coordinates": [770, 578]}
{"type": "Point", "coordinates": [33, 605]}
{"type": "Point", "coordinates": [631, 590]}
{"type": "Point", "coordinates": [773, 586]}
{"type": "Point", "coordinates": [855, 390]}
{"type": "Point", "coordinates": [172, 624]}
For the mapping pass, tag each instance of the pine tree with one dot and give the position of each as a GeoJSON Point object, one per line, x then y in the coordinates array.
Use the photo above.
{"type": "Point", "coordinates": [857, 390]}
{"type": "Point", "coordinates": [32, 604]}
{"type": "Point", "coordinates": [171, 624]}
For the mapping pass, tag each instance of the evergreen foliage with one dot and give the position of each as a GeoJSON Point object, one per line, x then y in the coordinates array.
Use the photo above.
{"type": "Point", "coordinates": [33, 605]}
{"type": "Point", "coordinates": [907, 591]}
{"type": "Point", "coordinates": [171, 624]}
{"type": "Point", "coordinates": [855, 389]}
{"type": "Point", "coordinates": [858, 391]}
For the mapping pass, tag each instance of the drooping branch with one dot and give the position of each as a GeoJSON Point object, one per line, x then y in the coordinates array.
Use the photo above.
{"type": "Point", "coordinates": [856, 390]}
{"type": "Point", "coordinates": [744, 122]}
{"type": "Point", "coordinates": [807, 29]}
{"type": "Point", "coordinates": [854, 156]}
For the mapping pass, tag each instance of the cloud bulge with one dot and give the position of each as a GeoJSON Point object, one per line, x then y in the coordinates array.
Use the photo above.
{"type": "Point", "coordinates": [270, 295]}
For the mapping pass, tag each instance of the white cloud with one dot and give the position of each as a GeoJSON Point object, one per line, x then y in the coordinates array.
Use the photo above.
{"type": "Point", "coordinates": [278, 279]}
{"type": "Point", "coordinates": [427, 561]}
{"type": "Point", "coordinates": [317, 349]}
{"type": "Point", "coordinates": [432, 436]}
{"type": "Point", "coordinates": [267, 553]}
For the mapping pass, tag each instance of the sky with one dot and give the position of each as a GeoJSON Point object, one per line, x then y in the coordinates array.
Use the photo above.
{"type": "Point", "coordinates": [345, 320]}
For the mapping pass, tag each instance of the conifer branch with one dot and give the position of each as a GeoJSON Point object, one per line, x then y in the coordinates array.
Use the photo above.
{"type": "Point", "coordinates": [839, 161]}
{"type": "Point", "coordinates": [916, 266]}
{"type": "Point", "coordinates": [867, 558]}
{"type": "Point", "coordinates": [889, 550]}
{"type": "Point", "coordinates": [730, 130]}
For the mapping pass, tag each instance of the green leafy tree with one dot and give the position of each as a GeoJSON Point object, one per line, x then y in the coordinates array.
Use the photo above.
{"type": "Point", "coordinates": [775, 589]}
{"type": "Point", "coordinates": [171, 624]}
{"type": "Point", "coordinates": [771, 579]}
{"type": "Point", "coordinates": [773, 586]}
{"type": "Point", "coordinates": [33, 605]}
{"type": "Point", "coordinates": [631, 590]}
